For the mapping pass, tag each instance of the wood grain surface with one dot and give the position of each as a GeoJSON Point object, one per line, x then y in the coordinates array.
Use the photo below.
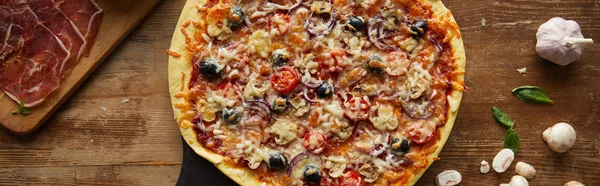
{"type": "Point", "coordinates": [120, 17]}
{"type": "Point", "coordinates": [138, 143]}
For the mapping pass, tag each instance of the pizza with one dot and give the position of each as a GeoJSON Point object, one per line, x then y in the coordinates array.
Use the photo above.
{"type": "Point", "coordinates": [340, 92]}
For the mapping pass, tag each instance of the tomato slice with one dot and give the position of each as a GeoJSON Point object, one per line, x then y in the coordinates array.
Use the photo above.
{"type": "Point", "coordinates": [315, 142]}
{"type": "Point", "coordinates": [351, 178]}
{"type": "Point", "coordinates": [356, 108]}
{"type": "Point", "coordinates": [421, 131]}
{"type": "Point", "coordinates": [280, 22]}
{"type": "Point", "coordinates": [285, 80]}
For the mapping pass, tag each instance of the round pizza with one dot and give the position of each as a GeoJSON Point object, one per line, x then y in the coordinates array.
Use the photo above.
{"type": "Point", "coordinates": [335, 92]}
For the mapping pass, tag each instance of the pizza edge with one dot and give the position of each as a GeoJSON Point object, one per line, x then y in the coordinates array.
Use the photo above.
{"type": "Point", "coordinates": [179, 71]}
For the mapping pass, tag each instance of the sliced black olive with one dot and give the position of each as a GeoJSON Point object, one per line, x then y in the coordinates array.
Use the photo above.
{"type": "Point", "coordinates": [209, 68]}
{"type": "Point", "coordinates": [356, 23]}
{"type": "Point", "coordinates": [325, 90]}
{"type": "Point", "coordinates": [279, 105]}
{"type": "Point", "coordinates": [280, 58]}
{"type": "Point", "coordinates": [312, 174]}
{"type": "Point", "coordinates": [277, 161]}
{"type": "Point", "coordinates": [400, 145]}
{"type": "Point", "coordinates": [231, 116]}
{"type": "Point", "coordinates": [419, 27]}
{"type": "Point", "coordinates": [375, 64]}
{"type": "Point", "coordinates": [237, 16]}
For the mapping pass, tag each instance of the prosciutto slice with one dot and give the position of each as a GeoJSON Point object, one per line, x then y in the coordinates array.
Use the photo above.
{"type": "Point", "coordinates": [34, 72]}
{"type": "Point", "coordinates": [86, 15]}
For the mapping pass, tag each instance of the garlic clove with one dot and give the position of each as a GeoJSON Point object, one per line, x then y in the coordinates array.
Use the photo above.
{"type": "Point", "coordinates": [560, 41]}
{"type": "Point", "coordinates": [448, 178]}
{"type": "Point", "coordinates": [518, 181]}
{"type": "Point", "coordinates": [560, 137]}
{"type": "Point", "coordinates": [502, 160]}
{"type": "Point", "coordinates": [485, 167]}
{"type": "Point", "coordinates": [574, 183]}
{"type": "Point", "coordinates": [525, 170]}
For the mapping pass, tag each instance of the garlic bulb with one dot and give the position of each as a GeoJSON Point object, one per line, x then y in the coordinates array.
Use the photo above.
{"type": "Point", "coordinates": [560, 41]}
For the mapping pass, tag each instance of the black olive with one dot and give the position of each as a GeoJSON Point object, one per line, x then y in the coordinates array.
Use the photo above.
{"type": "Point", "coordinates": [356, 23]}
{"type": "Point", "coordinates": [280, 59]}
{"type": "Point", "coordinates": [279, 105]}
{"type": "Point", "coordinates": [277, 161]}
{"type": "Point", "coordinates": [375, 64]}
{"type": "Point", "coordinates": [419, 27]}
{"type": "Point", "coordinates": [312, 174]}
{"type": "Point", "coordinates": [325, 90]}
{"type": "Point", "coordinates": [400, 146]}
{"type": "Point", "coordinates": [237, 16]}
{"type": "Point", "coordinates": [209, 68]}
{"type": "Point", "coordinates": [231, 116]}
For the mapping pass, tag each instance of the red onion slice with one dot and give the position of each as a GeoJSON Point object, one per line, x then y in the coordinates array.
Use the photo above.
{"type": "Point", "coordinates": [295, 161]}
{"type": "Point", "coordinates": [376, 33]}
{"type": "Point", "coordinates": [305, 96]}
{"type": "Point", "coordinates": [259, 105]}
{"type": "Point", "coordinates": [317, 29]}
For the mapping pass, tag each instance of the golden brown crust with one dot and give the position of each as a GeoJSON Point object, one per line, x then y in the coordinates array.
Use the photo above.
{"type": "Point", "coordinates": [180, 67]}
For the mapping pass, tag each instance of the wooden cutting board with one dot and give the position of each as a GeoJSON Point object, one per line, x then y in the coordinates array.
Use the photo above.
{"type": "Point", "coordinates": [120, 17]}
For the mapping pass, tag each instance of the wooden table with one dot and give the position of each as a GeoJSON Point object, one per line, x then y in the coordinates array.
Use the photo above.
{"type": "Point", "coordinates": [138, 143]}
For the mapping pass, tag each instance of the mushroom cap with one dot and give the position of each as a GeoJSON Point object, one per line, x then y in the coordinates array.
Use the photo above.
{"type": "Point", "coordinates": [448, 178]}
{"type": "Point", "coordinates": [560, 137]}
{"type": "Point", "coordinates": [551, 43]}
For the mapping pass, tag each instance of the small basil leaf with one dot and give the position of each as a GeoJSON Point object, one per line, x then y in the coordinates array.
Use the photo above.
{"type": "Point", "coordinates": [502, 117]}
{"type": "Point", "coordinates": [21, 109]}
{"type": "Point", "coordinates": [531, 94]}
{"type": "Point", "coordinates": [511, 140]}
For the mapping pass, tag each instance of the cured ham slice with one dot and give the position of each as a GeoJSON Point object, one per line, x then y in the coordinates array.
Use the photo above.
{"type": "Point", "coordinates": [62, 28]}
{"type": "Point", "coordinates": [86, 15]}
{"type": "Point", "coordinates": [34, 72]}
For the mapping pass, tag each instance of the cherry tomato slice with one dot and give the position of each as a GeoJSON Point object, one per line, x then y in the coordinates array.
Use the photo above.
{"type": "Point", "coordinates": [421, 131]}
{"type": "Point", "coordinates": [315, 142]}
{"type": "Point", "coordinates": [281, 23]}
{"type": "Point", "coordinates": [356, 108]}
{"type": "Point", "coordinates": [285, 80]}
{"type": "Point", "coordinates": [351, 178]}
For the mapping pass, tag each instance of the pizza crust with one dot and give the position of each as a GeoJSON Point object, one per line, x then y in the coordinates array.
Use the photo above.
{"type": "Point", "coordinates": [180, 67]}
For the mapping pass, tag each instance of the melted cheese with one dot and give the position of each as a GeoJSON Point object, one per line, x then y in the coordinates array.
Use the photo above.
{"type": "Point", "coordinates": [254, 89]}
{"type": "Point", "coordinates": [284, 131]}
{"type": "Point", "coordinates": [260, 43]}
{"type": "Point", "coordinates": [386, 119]}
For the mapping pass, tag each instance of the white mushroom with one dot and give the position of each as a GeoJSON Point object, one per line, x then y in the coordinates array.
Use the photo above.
{"type": "Point", "coordinates": [574, 183]}
{"type": "Point", "coordinates": [503, 160]}
{"type": "Point", "coordinates": [448, 178]}
{"type": "Point", "coordinates": [560, 137]}
{"type": "Point", "coordinates": [485, 167]}
{"type": "Point", "coordinates": [560, 41]}
{"type": "Point", "coordinates": [517, 180]}
{"type": "Point", "coordinates": [505, 184]}
{"type": "Point", "coordinates": [525, 170]}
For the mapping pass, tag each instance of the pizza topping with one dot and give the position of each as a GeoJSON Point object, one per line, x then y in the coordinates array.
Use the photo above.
{"type": "Point", "coordinates": [336, 165]}
{"type": "Point", "coordinates": [315, 142]}
{"type": "Point", "coordinates": [325, 90]}
{"type": "Point", "coordinates": [280, 57]}
{"type": "Point", "coordinates": [210, 68]}
{"type": "Point", "coordinates": [385, 119]}
{"type": "Point", "coordinates": [312, 174]}
{"type": "Point", "coordinates": [256, 112]}
{"type": "Point", "coordinates": [419, 27]}
{"type": "Point", "coordinates": [351, 178]}
{"type": "Point", "coordinates": [356, 23]}
{"type": "Point", "coordinates": [236, 18]}
{"type": "Point", "coordinates": [400, 145]}
{"type": "Point", "coordinates": [277, 160]}
{"type": "Point", "coordinates": [285, 131]}
{"type": "Point", "coordinates": [421, 131]}
{"type": "Point", "coordinates": [231, 116]}
{"type": "Point", "coordinates": [300, 105]}
{"type": "Point", "coordinates": [320, 24]}
{"type": "Point", "coordinates": [376, 33]}
{"type": "Point", "coordinates": [398, 63]}
{"type": "Point", "coordinates": [254, 88]}
{"type": "Point", "coordinates": [357, 108]}
{"type": "Point", "coordinates": [369, 172]}
{"type": "Point", "coordinates": [279, 104]}
{"type": "Point", "coordinates": [320, 7]}
{"type": "Point", "coordinates": [448, 178]}
{"type": "Point", "coordinates": [375, 64]}
{"type": "Point", "coordinates": [280, 24]}
{"type": "Point", "coordinates": [285, 80]}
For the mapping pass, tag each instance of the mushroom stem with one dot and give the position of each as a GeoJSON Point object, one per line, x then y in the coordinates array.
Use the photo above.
{"type": "Point", "coordinates": [575, 40]}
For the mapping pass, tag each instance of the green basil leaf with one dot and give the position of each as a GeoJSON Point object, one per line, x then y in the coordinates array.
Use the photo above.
{"type": "Point", "coordinates": [22, 109]}
{"type": "Point", "coordinates": [531, 94]}
{"type": "Point", "coordinates": [511, 140]}
{"type": "Point", "coordinates": [501, 117]}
